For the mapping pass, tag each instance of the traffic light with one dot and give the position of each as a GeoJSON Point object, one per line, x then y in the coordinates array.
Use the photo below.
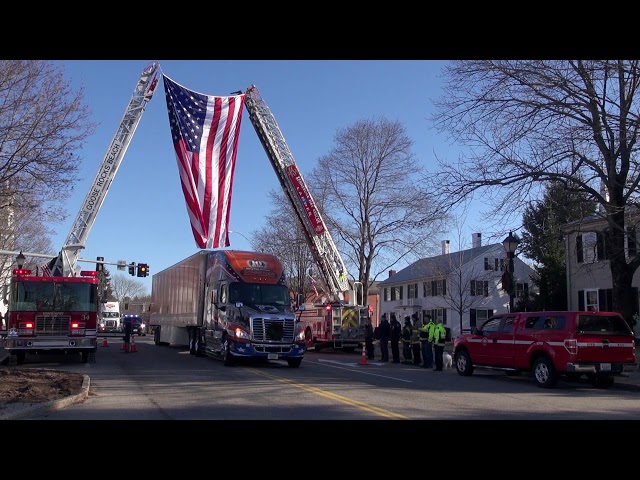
{"type": "Point", "coordinates": [99, 264]}
{"type": "Point", "coordinates": [132, 268]}
{"type": "Point", "coordinates": [143, 269]}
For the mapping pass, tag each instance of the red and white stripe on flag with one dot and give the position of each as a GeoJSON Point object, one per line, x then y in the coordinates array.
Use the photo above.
{"type": "Point", "coordinates": [205, 131]}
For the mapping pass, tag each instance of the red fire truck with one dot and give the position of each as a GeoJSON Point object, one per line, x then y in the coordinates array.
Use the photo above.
{"type": "Point", "coordinates": [58, 310]}
{"type": "Point", "coordinates": [52, 314]}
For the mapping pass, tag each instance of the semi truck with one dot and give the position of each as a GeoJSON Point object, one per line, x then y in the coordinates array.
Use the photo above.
{"type": "Point", "coordinates": [110, 318]}
{"type": "Point", "coordinates": [227, 304]}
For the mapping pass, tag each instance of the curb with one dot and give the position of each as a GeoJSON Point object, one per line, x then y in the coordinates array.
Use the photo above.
{"type": "Point", "coordinates": [28, 410]}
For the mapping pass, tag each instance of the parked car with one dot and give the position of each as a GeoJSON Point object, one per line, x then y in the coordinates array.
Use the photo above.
{"type": "Point", "coordinates": [599, 345]}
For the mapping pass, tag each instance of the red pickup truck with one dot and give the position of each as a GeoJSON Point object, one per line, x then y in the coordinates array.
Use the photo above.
{"type": "Point", "coordinates": [599, 345]}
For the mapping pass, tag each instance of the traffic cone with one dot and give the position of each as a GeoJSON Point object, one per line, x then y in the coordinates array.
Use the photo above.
{"type": "Point", "coordinates": [132, 345]}
{"type": "Point", "coordinates": [124, 346]}
{"type": "Point", "coordinates": [104, 342]}
{"type": "Point", "coordinates": [363, 359]}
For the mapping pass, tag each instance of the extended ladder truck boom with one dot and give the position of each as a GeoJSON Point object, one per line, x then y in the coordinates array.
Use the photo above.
{"type": "Point", "coordinates": [332, 269]}
{"type": "Point", "coordinates": [65, 264]}
{"type": "Point", "coordinates": [338, 324]}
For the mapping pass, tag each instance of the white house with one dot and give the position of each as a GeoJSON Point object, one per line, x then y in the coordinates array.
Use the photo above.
{"type": "Point", "coordinates": [462, 288]}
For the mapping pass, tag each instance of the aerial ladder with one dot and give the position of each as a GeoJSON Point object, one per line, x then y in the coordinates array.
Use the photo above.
{"type": "Point", "coordinates": [65, 263]}
{"type": "Point", "coordinates": [342, 324]}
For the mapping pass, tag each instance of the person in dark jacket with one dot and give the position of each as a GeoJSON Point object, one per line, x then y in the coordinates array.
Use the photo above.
{"type": "Point", "coordinates": [406, 342]}
{"type": "Point", "coordinates": [368, 339]}
{"type": "Point", "coordinates": [385, 334]}
{"type": "Point", "coordinates": [128, 331]}
{"type": "Point", "coordinates": [396, 331]}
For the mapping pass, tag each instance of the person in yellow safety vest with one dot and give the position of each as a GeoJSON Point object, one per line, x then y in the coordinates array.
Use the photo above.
{"type": "Point", "coordinates": [439, 337]}
{"type": "Point", "coordinates": [425, 341]}
{"type": "Point", "coordinates": [415, 340]}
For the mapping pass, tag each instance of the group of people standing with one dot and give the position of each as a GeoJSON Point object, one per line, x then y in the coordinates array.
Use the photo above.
{"type": "Point", "coordinates": [422, 342]}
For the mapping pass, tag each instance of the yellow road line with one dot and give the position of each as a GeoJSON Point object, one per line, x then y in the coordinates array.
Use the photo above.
{"type": "Point", "coordinates": [333, 396]}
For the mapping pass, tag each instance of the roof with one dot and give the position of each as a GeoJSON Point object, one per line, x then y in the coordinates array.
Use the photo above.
{"type": "Point", "coordinates": [439, 266]}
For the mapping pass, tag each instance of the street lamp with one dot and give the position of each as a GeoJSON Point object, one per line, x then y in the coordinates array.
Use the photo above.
{"type": "Point", "coordinates": [510, 244]}
{"type": "Point", "coordinates": [20, 258]}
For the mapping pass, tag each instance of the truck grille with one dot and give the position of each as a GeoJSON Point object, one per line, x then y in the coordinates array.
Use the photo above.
{"type": "Point", "coordinates": [273, 329]}
{"type": "Point", "coordinates": [52, 325]}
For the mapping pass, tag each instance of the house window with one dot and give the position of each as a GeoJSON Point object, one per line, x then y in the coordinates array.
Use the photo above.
{"type": "Point", "coordinates": [586, 247]}
{"type": "Point", "coordinates": [426, 289]}
{"type": "Point", "coordinates": [478, 316]}
{"type": "Point", "coordinates": [439, 287]}
{"type": "Point", "coordinates": [436, 314]}
{"type": "Point", "coordinates": [591, 300]}
{"type": "Point", "coordinates": [522, 290]}
{"type": "Point", "coordinates": [487, 264]}
{"type": "Point", "coordinates": [396, 293]}
{"type": "Point", "coordinates": [412, 290]}
{"type": "Point", "coordinates": [479, 288]}
{"type": "Point", "coordinates": [387, 295]}
{"type": "Point", "coordinates": [601, 250]}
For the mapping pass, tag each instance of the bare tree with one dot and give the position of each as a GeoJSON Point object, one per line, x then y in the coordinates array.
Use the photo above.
{"type": "Point", "coordinates": [367, 189]}
{"type": "Point", "coordinates": [43, 124]}
{"type": "Point", "coordinates": [468, 287]}
{"type": "Point", "coordinates": [122, 286]}
{"type": "Point", "coordinates": [530, 122]}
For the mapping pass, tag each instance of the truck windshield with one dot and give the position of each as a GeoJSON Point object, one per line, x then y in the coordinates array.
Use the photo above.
{"type": "Point", "coordinates": [259, 294]}
{"type": "Point", "coordinates": [54, 297]}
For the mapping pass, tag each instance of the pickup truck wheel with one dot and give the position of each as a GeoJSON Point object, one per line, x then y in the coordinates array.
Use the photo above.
{"type": "Point", "coordinates": [463, 363]}
{"type": "Point", "coordinates": [544, 373]}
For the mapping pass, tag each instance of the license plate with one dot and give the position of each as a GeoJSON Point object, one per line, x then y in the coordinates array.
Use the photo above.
{"type": "Point", "coordinates": [272, 356]}
{"type": "Point", "coordinates": [605, 367]}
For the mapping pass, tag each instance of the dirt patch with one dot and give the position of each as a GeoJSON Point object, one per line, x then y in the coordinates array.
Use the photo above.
{"type": "Point", "coordinates": [27, 385]}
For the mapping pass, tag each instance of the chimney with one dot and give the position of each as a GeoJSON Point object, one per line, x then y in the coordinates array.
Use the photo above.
{"type": "Point", "coordinates": [392, 273]}
{"type": "Point", "coordinates": [476, 240]}
{"type": "Point", "coordinates": [446, 247]}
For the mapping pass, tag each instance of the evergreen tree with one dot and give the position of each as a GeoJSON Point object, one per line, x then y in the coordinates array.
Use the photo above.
{"type": "Point", "coordinates": [543, 242]}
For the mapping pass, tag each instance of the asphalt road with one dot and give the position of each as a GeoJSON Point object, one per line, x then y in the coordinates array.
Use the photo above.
{"type": "Point", "coordinates": [167, 383]}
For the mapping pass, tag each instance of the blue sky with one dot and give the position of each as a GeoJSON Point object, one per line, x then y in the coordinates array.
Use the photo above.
{"type": "Point", "coordinates": [144, 219]}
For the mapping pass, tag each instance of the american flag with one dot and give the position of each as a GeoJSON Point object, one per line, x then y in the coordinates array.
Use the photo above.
{"type": "Point", "coordinates": [205, 131]}
{"type": "Point", "coordinates": [49, 267]}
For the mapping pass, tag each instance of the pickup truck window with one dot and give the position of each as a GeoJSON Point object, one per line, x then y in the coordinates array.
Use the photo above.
{"type": "Point", "coordinates": [507, 327]}
{"type": "Point", "coordinates": [613, 324]}
{"type": "Point", "coordinates": [491, 326]}
{"type": "Point", "coordinates": [544, 322]}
